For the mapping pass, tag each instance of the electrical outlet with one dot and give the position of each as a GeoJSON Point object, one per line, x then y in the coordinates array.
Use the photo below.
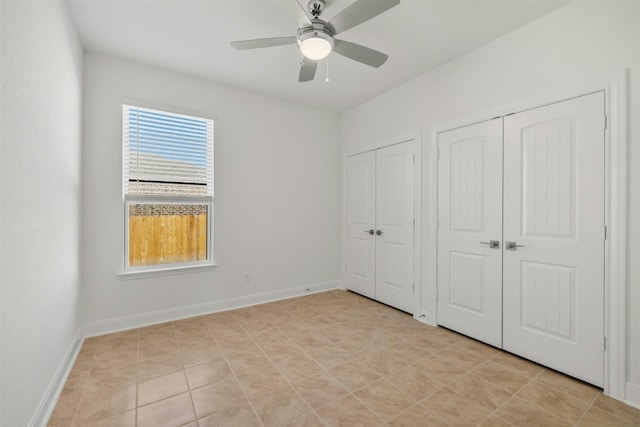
{"type": "Point", "coordinates": [247, 277]}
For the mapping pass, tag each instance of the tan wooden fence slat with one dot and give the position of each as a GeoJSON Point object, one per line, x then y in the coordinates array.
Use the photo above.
{"type": "Point", "coordinates": [167, 238]}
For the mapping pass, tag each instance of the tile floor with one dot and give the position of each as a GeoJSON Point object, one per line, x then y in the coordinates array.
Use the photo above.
{"type": "Point", "coordinates": [329, 359]}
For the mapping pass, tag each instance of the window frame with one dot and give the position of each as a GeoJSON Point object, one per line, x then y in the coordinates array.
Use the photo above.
{"type": "Point", "coordinates": [129, 272]}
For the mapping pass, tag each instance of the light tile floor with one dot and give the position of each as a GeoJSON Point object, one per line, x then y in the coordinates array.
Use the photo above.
{"type": "Point", "coordinates": [329, 359]}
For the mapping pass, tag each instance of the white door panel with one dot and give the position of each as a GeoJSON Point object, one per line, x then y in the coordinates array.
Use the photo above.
{"type": "Point", "coordinates": [470, 212]}
{"type": "Point", "coordinates": [394, 220]}
{"type": "Point", "coordinates": [554, 208]}
{"type": "Point", "coordinates": [360, 275]}
{"type": "Point", "coordinates": [380, 199]}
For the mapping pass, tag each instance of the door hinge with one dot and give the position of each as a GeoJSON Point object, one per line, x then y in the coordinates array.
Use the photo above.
{"type": "Point", "coordinates": [604, 344]}
{"type": "Point", "coordinates": [437, 294]}
{"type": "Point", "coordinates": [414, 288]}
{"type": "Point", "coordinates": [414, 158]}
{"type": "Point", "coordinates": [437, 224]}
{"type": "Point", "coordinates": [604, 232]}
{"type": "Point", "coordinates": [414, 223]}
{"type": "Point", "coordinates": [605, 123]}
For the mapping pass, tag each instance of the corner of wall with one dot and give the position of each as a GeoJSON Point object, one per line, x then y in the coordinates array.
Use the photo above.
{"type": "Point", "coordinates": [49, 399]}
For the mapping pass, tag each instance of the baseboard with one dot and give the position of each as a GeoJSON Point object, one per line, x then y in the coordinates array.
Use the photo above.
{"type": "Point", "coordinates": [48, 402]}
{"type": "Point", "coordinates": [102, 327]}
{"type": "Point", "coordinates": [632, 395]}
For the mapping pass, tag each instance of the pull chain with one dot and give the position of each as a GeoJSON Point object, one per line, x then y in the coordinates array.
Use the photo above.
{"type": "Point", "coordinates": [327, 80]}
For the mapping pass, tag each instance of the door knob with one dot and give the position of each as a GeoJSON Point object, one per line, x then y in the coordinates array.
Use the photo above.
{"type": "Point", "coordinates": [369, 231]}
{"type": "Point", "coordinates": [493, 244]}
{"type": "Point", "coordinates": [512, 246]}
{"type": "Point", "coordinates": [379, 232]}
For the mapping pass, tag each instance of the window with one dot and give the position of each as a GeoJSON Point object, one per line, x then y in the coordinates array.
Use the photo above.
{"type": "Point", "coordinates": [167, 187]}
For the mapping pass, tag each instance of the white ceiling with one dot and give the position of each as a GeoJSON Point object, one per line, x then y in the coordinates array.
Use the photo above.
{"type": "Point", "coordinates": [192, 37]}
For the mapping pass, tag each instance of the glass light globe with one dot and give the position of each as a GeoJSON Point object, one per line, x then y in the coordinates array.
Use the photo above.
{"type": "Point", "coordinates": [315, 48]}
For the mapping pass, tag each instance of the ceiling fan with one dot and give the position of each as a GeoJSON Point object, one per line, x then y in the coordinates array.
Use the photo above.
{"type": "Point", "coordinates": [316, 38]}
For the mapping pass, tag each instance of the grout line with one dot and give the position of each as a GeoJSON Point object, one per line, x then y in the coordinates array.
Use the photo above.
{"type": "Point", "coordinates": [366, 406]}
{"type": "Point", "coordinates": [233, 372]}
{"type": "Point", "coordinates": [75, 413]}
{"type": "Point", "coordinates": [528, 401]}
{"type": "Point", "coordinates": [84, 385]}
{"type": "Point", "coordinates": [588, 407]}
{"type": "Point", "coordinates": [567, 395]}
{"type": "Point", "coordinates": [323, 368]}
{"type": "Point", "coordinates": [419, 402]}
{"type": "Point", "coordinates": [193, 405]}
{"type": "Point", "coordinates": [281, 373]}
{"type": "Point", "coordinates": [495, 411]}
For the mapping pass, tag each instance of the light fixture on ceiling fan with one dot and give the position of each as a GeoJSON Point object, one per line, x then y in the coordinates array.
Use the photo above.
{"type": "Point", "coordinates": [316, 38]}
{"type": "Point", "coordinates": [315, 44]}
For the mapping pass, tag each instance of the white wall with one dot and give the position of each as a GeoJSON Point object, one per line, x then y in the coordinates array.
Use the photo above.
{"type": "Point", "coordinates": [276, 195]}
{"type": "Point", "coordinates": [41, 77]}
{"type": "Point", "coordinates": [578, 44]}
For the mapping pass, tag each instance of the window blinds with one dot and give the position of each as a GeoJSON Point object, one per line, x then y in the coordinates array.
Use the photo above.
{"type": "Point", "coordinates": [166, 153]}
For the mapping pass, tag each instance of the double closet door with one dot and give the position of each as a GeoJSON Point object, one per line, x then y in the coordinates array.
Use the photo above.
{"type": "Point", "coordinates": [521, 208]}
{"type": "Point", "coordinates": [380, 225]}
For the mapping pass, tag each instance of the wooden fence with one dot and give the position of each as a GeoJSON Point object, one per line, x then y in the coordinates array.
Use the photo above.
{"type": "Point", "coordinates": [164, 234]}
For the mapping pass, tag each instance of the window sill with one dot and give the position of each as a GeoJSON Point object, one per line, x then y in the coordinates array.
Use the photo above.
{"type": "Point", "coordinates": [165, 271]}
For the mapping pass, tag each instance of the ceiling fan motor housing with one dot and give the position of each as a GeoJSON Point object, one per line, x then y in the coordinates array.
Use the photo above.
{"type": "Point", "coordinates": [318, 28]}
{"type": "Point", "coordinates": [316, 7]}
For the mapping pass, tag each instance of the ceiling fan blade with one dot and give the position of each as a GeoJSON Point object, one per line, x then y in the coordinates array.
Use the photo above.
{"type": "Point", "coordinates": [360, 53]}
{"type": "Point", "coordinates": [293, 8]}
{"type": "Point", "coordinates": [359, 12]}
{"type": "Point", "coordinates": [307, 69]}
{"type": "Point", "coordinates": [259, 43]}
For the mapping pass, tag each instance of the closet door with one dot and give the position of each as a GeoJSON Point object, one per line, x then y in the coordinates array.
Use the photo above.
{"type": "Point", "coordinates": [554, 212]}
{"type": "Point", "coordinates": [470, 218]}
{"type": "Point", "coordinates": [361, 224]}
{"type": "Point", "coordinates": [395, 226]}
